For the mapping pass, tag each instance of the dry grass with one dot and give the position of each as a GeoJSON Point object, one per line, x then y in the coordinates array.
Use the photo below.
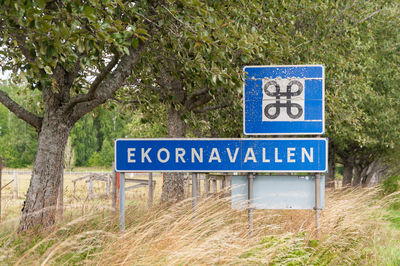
{"type": "Point", "coordinates": [353, 232]}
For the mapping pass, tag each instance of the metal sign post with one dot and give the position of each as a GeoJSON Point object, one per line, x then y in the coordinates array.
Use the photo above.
{"type": "Point", "coordinates": [122, 201]}
{"type": "Point", "coordinates": [151, 188]}
{"type": "Point", "coordinates": [317, 202]}
{"type": "Point", "coordinates": [250, 201]}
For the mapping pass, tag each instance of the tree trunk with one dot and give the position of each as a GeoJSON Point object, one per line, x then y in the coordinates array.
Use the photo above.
{"type": "Point", "coordinates": [374, 173]}
{"type": "Point", "coordinates": [173, 187]}
{"type": "Point", "coordinates": [357, 171]}
{"type": "Point", "coordinates": [41, 199]}
{"type": "Point", "coordinates": [348, 165]}
{"type": "Point", "coordinates": [60, 199]}
{"type": "Point", "coordinates": [330, 177]}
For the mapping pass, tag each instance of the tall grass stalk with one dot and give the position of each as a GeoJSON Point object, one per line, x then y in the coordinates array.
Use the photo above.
{"type": "Point", "coordinates": [353, 231]}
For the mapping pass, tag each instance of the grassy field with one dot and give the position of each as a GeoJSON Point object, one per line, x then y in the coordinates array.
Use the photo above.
{"type": "Point", "coordinates": [359, 227]}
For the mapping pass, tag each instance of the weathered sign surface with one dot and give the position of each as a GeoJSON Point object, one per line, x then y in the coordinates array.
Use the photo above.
{"type": "Point", "coordinates": [221, 155]}
{"type": "Point", "coordinates": [277, 192]}
{"type": "Point", "coordinates": [284, 100]}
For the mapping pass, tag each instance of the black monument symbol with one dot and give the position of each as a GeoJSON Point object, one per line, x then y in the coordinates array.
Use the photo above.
{"type": "Point", "coordinates": [288, 95]}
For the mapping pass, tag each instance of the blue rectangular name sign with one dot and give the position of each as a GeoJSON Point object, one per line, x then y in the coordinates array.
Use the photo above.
{"type": "Point", "coordinates": [284, 100]}
{"type": "Point", "coordinates": [221, 155]}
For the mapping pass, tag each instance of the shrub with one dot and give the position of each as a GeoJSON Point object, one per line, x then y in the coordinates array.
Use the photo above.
{"type": "Point", "coordinates": [391, 184]}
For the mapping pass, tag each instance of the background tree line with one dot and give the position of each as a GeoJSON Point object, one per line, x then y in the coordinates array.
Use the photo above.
{"type": "Point", "coordinates": [91, 139]}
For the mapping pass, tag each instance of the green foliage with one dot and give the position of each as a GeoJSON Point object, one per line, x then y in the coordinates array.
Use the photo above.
{"type": "Point", "coordinates": [17, 139]}
{"type": "Point", "coordinates": [107, 153]}
{"type": "Point", "coordinates": [92, 137]}
{"type": "Point", "coordinates": [202, 46]}
{"type": "Point", "coordinates": [196, 63]}
{"type": "Point", "coordinates": [295, 249]}
{"type": "Point", "coordinates": [393, 213]}
{"type": "Point", "coordinates": [391, 184]}
{"type": "Point", "coordinates": [84, 140]}
{"type": "Point", "coordinates": [64, 34]}
{"type": "Point", "coordinates": [146, 126]}
{"type": "Point", "coordinates": [95, 159]}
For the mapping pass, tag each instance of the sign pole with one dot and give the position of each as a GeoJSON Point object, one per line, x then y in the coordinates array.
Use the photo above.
{"type": "Point", "coordinates": [122, 201]}
{"type": "Point", "coordinates": [317, 202]}
{"type": "Point", "coordinates": [194, 190]}
{"type": "Point", "coordinates": [150, 199]}
{"type": "Point", "coordinates": [250, 201]}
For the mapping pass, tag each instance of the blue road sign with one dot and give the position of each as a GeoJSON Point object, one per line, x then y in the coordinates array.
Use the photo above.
{"type": "Point", "coordinates": [277, 192]}
{"type": "Point", "coordinates": [284, 100]}
{"type": "Point", "coordinates": [221, 155]}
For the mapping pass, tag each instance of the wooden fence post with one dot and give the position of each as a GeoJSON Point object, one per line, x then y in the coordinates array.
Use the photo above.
{"type": "Point", "coordinates": [114, 189]}
{"type": "Point", "coordinates": [107, 185]}
{"type": "Point", "coordinates": [198, 185]}
{"type": "Point", "coordinates": [214, 185]}
{"type": "Point", "coordinates": [74, 188]}
{"type": "Point", "coordinates": [206, 185]}
{"type": "Point", "coordinates": [227, 185]}
{"type": "Point", "coordinates": [194, 190]}
{"type": "Point", "coordinates": [90, 188]}
{"type": "Point", "coordinates": [187, 186]}
{"type": "Point", "coordinates": [15, 185]}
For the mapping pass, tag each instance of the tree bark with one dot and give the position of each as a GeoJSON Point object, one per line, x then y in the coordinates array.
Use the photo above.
{"type": "Point", "coordinates": [173, 187]}
{"type": "Point", "coordinates": [375, 172]}
{"type": "Point", "coordinates": [60, 198]}
{"type": "Point", "coordinates": [41, 199]}
{"type": "Point", "coordinates": [357, 171]}
{"type": "Point", "coordinates": [330, 177]}
{"type": "Point", "coordinates": [364, 174]}
{"type": "Point", "coordinates": [347, 171]}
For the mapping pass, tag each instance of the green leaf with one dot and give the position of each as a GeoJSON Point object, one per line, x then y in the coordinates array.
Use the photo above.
{"type": "Point", "coordinates": [48, 70]}
{"type": "Point", "coordinates": [214, 79]}
{"type": "Point", "coordinates": [141, 31]}
{"type": "Point", "coordinates": [41, 4]}
{"type": "Point", "coordinates": [89, 13]}
{"type": "Point", "coordinates": [135, 43]}
{"type": "Point", "coordinates": [126, 50]}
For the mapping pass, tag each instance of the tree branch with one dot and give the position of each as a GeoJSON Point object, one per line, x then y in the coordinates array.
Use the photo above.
{"type": "Point", "coordinates": [210, 108]}
{"type": "Point", "coordinates": [370, 15]}
{"type": "Point", "coordinates": [180, 21]}
{"type": "Point", "coordinates": [125, 102]}
{"type": "Point", "coordinates": [193, 97]}
{"type": "Point", "coordinates": [104, 72]}
{"type": "Point", "coordinates": [22, 47]}
{"type": "Point", "coordinates": [199, 102]}
{"type": "Point", "coordinates": [110, 84]}
{"type": "Point", "coordinates": [20, 112]}
{"type": "Point", "coordinates": [89, 96]}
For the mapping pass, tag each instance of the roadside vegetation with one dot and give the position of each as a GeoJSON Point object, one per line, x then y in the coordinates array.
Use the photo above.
{"type": "Point", "coordinates": [86, 72]}
{"type": "Point", "coordinates": [359, 227]}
